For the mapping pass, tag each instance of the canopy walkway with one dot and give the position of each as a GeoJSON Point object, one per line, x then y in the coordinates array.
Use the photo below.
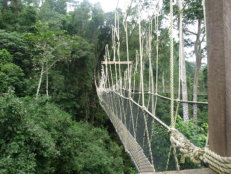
{"type": "Point", "coordinates": [152, 141]}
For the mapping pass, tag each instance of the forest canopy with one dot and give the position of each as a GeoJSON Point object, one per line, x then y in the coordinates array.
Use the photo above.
{"type": "Point", "coordinates": [51, 120]}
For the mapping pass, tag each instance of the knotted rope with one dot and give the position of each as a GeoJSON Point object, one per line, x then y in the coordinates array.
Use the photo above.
{"type": "Point", "coordinates": [179, 141]}
{"type": "Point", "coordinates": [220, 164]}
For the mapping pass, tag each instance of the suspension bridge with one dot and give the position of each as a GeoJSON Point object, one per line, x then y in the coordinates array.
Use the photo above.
{"type": "Point", "coordinates": [130, 98]}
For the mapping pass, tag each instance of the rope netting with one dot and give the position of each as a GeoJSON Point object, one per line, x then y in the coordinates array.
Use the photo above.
{"type": "Point", "coordinates": [130, 96]}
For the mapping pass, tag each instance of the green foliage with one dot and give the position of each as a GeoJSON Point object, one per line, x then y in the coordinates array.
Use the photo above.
{"type": "Point", "coordinates": [161, 147]}
{"type": "Point", "coordinates": [12, 76]}
{"type": "Point", "coordinates": [38, 137]}
{"type": "Point", "coordinates": [24, 145]}
{"type": "Point", "coordinates": [28, 19]}
{"type": "Point", "coordinates": [15, 16]}
{"type": "Point", "coordinates": [17, 46]}
{"type": "Point", "coordinates": [51, 17]}
{"type": "Point", "coordinates": [5, 57]}
{"type": "Point", "coordinates": [197, 134]}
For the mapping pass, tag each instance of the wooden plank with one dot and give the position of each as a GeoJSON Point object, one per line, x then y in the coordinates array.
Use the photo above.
{"type": "Point", "coordinates": [192, 171]}
{"type": "Point", "coordinates": [219, 75]}
{"type": "Point", "coordinates": [116, 62]}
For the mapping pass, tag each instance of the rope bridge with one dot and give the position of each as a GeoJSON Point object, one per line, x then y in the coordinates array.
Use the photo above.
{"type": "Point", "coordinates": [130, 100]}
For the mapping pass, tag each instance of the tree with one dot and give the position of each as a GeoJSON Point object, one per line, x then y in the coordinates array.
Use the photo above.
{"type": "Point", "coordinates": [183, 74]}
{"type": "Point", "coordinates": [19, 49]}
{"type": "Point", "coordinates": [79, 21]}
{"type": "Point", "coordinates": [11, 75]}
{"type": "Point", "coordinates": [16, 16]}
{"type": "Point", "coordinates": [50, 48]}
{"type": "Point", "coordinates": [38, 137]}
{"type": "Point", "coordinates": [194, 13]}
{"type": "Point", "coordinates": [5, 57]}
{"type": "Point", "coordinates": [47, 15]}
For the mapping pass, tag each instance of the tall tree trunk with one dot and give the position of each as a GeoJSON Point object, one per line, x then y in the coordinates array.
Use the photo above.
{"type": "Point", "coordinates": [47, 79]}
{"type": "Point", "coordinates": [183, 75]}
{"type": "Point", "coordinates": [149, 53]}
{"type": "Point", "coordinates": [184, 85]}
{"type": "Point", "coordinates": [197, 50]}
{"type": "Point", "coordinates": [40, 81]}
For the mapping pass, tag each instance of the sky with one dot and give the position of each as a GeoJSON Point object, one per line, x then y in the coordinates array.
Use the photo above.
{"type": "Point", "coordinates": [110, 5]}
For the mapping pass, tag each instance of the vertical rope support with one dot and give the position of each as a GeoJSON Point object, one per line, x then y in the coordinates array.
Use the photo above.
{"type": "Point", "coordinates": [114, 54]}
{"type": "Point", "coordinates": [105, 58]}
{"type": "Point", "coordinates": [204, 11]}
{"type": "Point", "coordinates": [127, 49]}
{"type": "Point", "coordinates": [141, 58]}
{"type": "Point", "coordinates": [171, 66]}
{"type": "Point", "coordinates": [157, 55]}
{"type": "Point", "coordinates": [157, 50]}
{"type": "Point", "coordinates": [168, 159]}
{"type": "Point", "coordinates": [118, 52]}
{"type": "Point", "coordinates": [112, 83]}
{"type": "Point", "coordinates": [135, 72]}
{"type": "Point", "coordinates": [176, 159]}
{"type": "Point", "coordinates": [150, 62]}
{"type": "Point", "coordinates": [180, 44]}
{"type": "Point", "coordinates": [134, 88]}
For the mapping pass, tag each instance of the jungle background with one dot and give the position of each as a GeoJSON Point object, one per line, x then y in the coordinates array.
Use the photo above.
{"type": "Point", "coordinates": [50, 117]}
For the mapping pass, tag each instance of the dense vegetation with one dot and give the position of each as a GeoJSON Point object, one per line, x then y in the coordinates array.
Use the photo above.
{"type": "Point", "coordinates": [50, 119]}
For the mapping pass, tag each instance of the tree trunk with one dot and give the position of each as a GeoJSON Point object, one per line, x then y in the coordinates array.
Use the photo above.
{"type": "Point", "coordinates": [184, 85]}
{"type": "Point", "coordinates": [182, 72]}
{"type": "Point", "coordinates": [40, 81]}
{"type": "Point", "coordinates": [197, 49]}
{"type": "Point", "coordinates": [47, 79]}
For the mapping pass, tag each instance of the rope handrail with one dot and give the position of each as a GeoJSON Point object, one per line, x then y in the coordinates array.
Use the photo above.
{"type": "Point", "coordinates": [167, 98]}
{"type": "Point", "coordinates": [141, 107]}
{"type": "Point", "coordinates": [179, 141]}
{"type": "Point", "coordinates": [130, 117]}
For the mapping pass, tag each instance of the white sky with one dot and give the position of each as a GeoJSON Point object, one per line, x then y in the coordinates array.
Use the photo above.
{"type": "Point", "coordinates": [110, 5]}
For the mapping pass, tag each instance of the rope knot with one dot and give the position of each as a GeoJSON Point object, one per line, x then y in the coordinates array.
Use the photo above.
{"type": "Point", "coordinates": [216, 162]}
{"type": "Point", "coordinates": [143, 108]}
{"type": "Point", "coordinates": [179, 141]}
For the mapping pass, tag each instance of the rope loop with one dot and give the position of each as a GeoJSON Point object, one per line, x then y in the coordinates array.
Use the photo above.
{"type": "Point", "coordinates": [177, 100]}
{"type": "Point", "coordinates": [179, 141]}
{"type": "Point", "coordinates": [220, 164]}
{"type": "Point", "coordinates": [143, 108]}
